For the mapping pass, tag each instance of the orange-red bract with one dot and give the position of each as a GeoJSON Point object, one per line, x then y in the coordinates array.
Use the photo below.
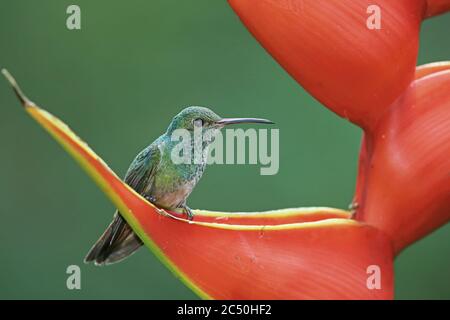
{"type": "Point", "coordinates": [404, 183]}
{"type": "Point", "coordinates": [315, 253]}
{"type": "Point", "coordinates": [327, 47]}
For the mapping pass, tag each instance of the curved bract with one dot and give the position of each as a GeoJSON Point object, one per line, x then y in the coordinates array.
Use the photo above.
{"type": "Point", "coordinates": [406, 166]}
{"type": "Point", "coordinates": [355, 71]}
{"type": "Point", "coordinates": [314, 253]}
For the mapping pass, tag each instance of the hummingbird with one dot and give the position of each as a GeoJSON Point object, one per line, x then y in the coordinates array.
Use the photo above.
{"type": "Point", "coordinates": [154, 175]}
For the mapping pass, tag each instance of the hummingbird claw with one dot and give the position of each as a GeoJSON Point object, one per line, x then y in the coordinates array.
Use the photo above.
{"type": "Point", "coordinates": [151, 199]}
{"type": "Point", "coordinates": [189, 213]}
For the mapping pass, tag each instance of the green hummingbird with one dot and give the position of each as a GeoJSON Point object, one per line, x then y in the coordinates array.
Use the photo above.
{"type": "Point", "coordinates": [167, 184]}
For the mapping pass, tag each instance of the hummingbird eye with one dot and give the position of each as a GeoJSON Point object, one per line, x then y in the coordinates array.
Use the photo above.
{"type": "Point", "coordinates": [198, 122]}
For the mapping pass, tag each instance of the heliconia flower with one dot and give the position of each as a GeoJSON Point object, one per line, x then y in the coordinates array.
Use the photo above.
{"type": "Point", "coordinates": [404, 175]}
{"type": "Point", "coordinates": [312, 253]}
{"type": "Point", "coordinates": [328, 47]}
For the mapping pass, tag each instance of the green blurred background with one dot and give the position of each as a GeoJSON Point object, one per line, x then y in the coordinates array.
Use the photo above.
{"type": "Point", "coordinates": [117, 83]}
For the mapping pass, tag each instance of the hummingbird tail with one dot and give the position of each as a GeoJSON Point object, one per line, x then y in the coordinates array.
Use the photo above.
{"type": "Point", "coordinates": [115, 244]}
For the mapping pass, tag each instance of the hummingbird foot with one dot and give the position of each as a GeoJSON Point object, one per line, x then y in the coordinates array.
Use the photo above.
{"type": "Point", "coordinates": [189, 213]}
{"type": "Point", "coordinates": [151, 199]}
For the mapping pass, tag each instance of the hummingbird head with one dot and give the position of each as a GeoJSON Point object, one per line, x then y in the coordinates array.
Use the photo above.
{"type": "Point", "coordinates": [195, 116]}
{"type": "Point", "coordinates": [209, 123]}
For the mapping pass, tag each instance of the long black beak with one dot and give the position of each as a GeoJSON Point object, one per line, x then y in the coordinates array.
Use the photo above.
{"type": "Point", "coordinates": [227, 121]}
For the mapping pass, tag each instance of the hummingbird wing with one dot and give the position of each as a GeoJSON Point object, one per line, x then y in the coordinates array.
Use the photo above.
{"type": "Point", "coordinates": [119, 241]}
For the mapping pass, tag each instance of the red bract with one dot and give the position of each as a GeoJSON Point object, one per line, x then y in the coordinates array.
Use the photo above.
{"type": "Point", "coordinates": [326, 46]}
{"type": "Point", "coordinates": [405, 163]}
